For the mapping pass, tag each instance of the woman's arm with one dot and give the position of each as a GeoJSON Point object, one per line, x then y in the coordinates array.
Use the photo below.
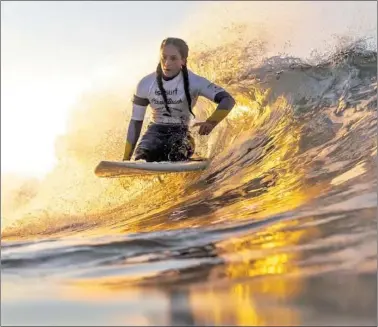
{"type": "Point", "coordinates": [218, 95]}
{"type": "Point", "coordinates": [138, 112]}
{"type": "Point", "coordinates": [133, 134]}
{"type": "Point", "coordinates": [225, 103]}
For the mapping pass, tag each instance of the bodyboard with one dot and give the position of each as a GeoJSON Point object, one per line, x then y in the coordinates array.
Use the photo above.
{"type": "Point", "coordinates": [135, 168]}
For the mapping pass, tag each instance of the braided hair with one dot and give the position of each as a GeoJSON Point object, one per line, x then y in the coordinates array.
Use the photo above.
{"type": "Point", "coordinates": [183, 48]}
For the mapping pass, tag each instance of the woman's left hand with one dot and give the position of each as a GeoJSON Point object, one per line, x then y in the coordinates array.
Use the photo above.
{"type": "Point", "coordinates": [205, 127]}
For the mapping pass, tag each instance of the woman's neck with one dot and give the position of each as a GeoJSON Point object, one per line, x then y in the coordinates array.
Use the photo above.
{"type": "Point", "coordinates": [167, 78]}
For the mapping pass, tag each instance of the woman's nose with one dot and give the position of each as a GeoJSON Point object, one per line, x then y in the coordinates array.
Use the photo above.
{"type": "Point", "coordinates": [166, 62]}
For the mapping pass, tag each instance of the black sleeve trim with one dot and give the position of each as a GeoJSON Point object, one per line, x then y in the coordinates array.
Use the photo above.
{"type": "Point", "coordinates": [221, 95]}
{"type": "Point", "coordinates": [140, 101]}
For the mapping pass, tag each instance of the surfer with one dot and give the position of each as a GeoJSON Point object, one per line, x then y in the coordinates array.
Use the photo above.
{"type": "Point", "coordinates": [172, 91]}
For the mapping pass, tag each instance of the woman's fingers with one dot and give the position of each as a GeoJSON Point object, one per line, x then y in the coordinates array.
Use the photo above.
{"type": "Point", "coordinates": [204, 128]}
{"type": "Point", "coordinates": [200, 128]}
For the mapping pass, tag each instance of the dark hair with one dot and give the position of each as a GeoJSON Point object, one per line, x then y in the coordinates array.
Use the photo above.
{"type": "Point", "coordinates": [183, 49]}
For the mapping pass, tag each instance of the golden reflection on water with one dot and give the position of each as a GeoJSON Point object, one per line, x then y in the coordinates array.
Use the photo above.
{"type": "Point", "coordinates": [259, 278]}
{"type": "Point", "coordinates": [250, 261]}
{"type": "Point", "coordinates": [243, 304]}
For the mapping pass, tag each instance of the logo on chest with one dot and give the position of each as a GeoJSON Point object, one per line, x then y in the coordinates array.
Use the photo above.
{"type": "Point", "coordinates": [168, 92]}
{"type": "Point", "coordinates": [172, 97]}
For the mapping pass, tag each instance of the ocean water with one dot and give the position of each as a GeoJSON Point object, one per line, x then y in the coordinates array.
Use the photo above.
{"type": "Point", "coordinates": [280, 230]}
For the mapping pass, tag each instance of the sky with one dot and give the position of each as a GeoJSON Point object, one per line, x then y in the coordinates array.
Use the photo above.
{"type": "Point", "coordinates": [53, 50]}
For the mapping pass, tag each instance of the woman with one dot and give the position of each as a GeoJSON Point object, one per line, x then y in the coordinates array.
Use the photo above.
{"type": "Point", "coordinates": [172, 91]}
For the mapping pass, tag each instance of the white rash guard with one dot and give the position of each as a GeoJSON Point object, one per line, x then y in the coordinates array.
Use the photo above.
{"type": "Point", "coordinates": [148, 93]}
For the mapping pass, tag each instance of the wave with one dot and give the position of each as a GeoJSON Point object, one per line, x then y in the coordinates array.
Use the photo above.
{"type": "Point", "coordinates": [294, 124]}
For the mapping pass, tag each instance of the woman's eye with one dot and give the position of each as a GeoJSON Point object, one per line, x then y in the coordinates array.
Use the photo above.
{"type": "Point", "coordinates": [172, 58]}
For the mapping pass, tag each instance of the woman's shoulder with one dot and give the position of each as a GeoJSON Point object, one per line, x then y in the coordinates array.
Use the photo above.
{"type": "Point", "coordinates": [195, 77]}
{"type": "Point", "coordinates": [192, 74]}
{"type": "Point", "coordinates": [198, 80]}
{"type": "Point", "coordinates": [145, 82]}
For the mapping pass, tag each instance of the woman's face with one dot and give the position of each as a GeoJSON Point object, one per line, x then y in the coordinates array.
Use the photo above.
{"type": "Point", "coordinates": [171, 60]}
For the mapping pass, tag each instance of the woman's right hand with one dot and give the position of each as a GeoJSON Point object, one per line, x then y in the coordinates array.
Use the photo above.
{"type": "Point", "coordinates": [205, 127]}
